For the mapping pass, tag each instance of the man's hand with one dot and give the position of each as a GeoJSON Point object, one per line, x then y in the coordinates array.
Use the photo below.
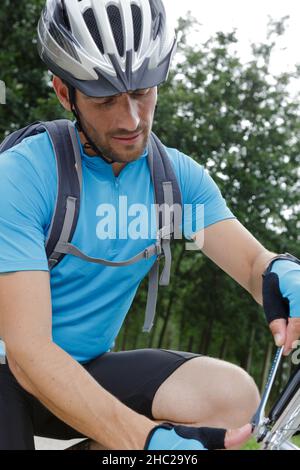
{"type": "Point", "coordinates": [174, 437]}
{"type": "Point", "coordinates": [281, 301]}
{"type": "Point", "coordinates": [286, 333]}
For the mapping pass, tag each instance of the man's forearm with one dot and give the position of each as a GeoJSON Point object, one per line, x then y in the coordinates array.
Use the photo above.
{"type": "Point", "coordinates": [259, 266]}
{"type": "Point", "coordinates": [69, 391]}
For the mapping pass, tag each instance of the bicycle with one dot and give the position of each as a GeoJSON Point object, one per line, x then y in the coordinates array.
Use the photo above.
{"type": "Point", "coordinates": [274, 431]}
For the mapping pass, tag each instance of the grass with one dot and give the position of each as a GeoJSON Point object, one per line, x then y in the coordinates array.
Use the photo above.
{"type": "Point", "coordinates": [252, 444]}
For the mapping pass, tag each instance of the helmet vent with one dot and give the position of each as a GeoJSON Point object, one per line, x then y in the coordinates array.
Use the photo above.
{"type": "Point", "coordinates": [65, 15]}
{"type": "Point", "coordinates": [154, 9]}
{"type": "Point", "coordinates": [156, 26]}
{"type": "Point", "coordinates": [60, 40]}
{"type": "Point", "coordinates": [117, 27]}
{"type": "Point", "coordinates": [157, 17]}
{"type": "Point", "coordinates": [137, 25]}
{"type": "Point", "coordinates": [91, 23]}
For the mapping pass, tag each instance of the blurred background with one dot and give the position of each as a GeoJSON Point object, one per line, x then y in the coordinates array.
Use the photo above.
{"type": "Point", "coordinates": [231, 103]}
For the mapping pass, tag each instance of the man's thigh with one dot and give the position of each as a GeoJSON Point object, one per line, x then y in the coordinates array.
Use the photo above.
{"type": "Point", "coordinates": [135, 376]}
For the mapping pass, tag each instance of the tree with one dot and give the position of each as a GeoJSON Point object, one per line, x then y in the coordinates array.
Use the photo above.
{"type": "Point", "coordinates": [240, 122]}
{"type": "Point", "coordinates": [29, 96]}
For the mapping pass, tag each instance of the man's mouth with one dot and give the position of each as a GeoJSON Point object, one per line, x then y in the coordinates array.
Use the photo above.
{"type": "Point", "coordinates": [128, 139]}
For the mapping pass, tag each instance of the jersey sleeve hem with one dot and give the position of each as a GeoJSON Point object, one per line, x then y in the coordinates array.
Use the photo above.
{"type": "Point", "coordinates": [7, 267]}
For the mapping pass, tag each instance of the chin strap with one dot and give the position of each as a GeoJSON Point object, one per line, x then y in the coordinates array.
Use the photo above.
{"type": "Point", "coordinates": [89, 144]}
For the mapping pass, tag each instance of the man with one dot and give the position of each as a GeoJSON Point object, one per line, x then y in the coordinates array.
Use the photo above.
{"type": "Point", "coordinates": [61, 380]}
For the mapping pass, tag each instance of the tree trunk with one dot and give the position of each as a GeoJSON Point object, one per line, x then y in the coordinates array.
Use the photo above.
{"type": "Point", "coordinates": [135, 341]}
{"type": "Point", "coordinates": [250, 351]}
{"type": "Point", "coordinates": [191, 343]}
{"type": "Point", "coordinates": [172, 296]}
{"type": "Point", "coordinates": [202, 340]}
{"type": "Point", "coordinates": [208, 336]}
{"type": "Point", "coordinates": [223, 348]}
{"type": "Point", "coordinates": [181, 331]}
{"type": "Point", "coordinates": [125, 336]}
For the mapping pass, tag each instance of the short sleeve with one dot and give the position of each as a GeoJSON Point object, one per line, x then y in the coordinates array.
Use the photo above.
{"type": "Point", "coordinates": [23, 215]}
{"type": "Point", "coordinates": [203, 203]}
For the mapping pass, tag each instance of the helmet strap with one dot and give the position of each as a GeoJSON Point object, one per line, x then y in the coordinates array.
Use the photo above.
{"type": "Point", "coordinates": [89, 144]}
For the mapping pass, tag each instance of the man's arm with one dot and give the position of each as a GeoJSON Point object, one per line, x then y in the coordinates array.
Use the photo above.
{"type": "Point", "coordinates": [232, 247]}
{"type": "Point", "coordinates": [54, 377]}
{"type": "Point", "coordinates": [239, 254]}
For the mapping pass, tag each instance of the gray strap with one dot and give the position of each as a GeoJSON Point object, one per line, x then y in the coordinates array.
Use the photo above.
{"type": "Point", "coordinates": [56, 200]}
{"type": "Point", "coordinates": [166, 231]}
{"type": "Point", "coordinates": [73, 136]}
{"type": "Point", "coordinates": [151, 168]}
{"type": "Point", "coordinates": [166, 248]}
{"type": "Point", "coordinates": [69, 249]}
{"type": "Point", "coordinates": [151, 297]}
{"type": "Point", "coordinates": [76, 150]}
{"type": "Point", "coordinates": [66, 230]}
{"type": "Point", "coordinates": [163, 237]}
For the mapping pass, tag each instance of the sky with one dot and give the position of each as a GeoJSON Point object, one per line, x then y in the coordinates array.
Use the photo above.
{"type": "Point", "coordinates": [250, 18]}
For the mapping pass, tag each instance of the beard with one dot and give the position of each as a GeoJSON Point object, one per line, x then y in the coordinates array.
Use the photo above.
{"type": "Point", "coordinates": [107, 150]}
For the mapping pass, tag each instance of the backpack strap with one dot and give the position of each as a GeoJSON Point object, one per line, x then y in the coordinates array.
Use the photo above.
{"type": "Point", "coordinates": [69, 184]}
{"type": "Point", "coordinates": [17, 136]}
{"type": "Point", "coordinates": [63, 138]}
{"type": "Point", "coordinates": [167, 195]}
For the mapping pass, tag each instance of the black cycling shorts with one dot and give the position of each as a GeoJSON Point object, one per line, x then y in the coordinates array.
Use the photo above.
{"type": "Point", "coordinates": [131, 376]}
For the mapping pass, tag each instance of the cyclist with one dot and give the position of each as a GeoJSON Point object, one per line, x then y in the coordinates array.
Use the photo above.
{"type": "Point", "coordinates": [62, 379]}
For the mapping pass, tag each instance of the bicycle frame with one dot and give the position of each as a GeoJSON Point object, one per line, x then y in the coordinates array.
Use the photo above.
{"type": "Point", "coordinates": [284, 418]}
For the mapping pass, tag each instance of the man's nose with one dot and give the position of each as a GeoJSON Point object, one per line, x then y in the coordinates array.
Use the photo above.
{"type": "Point", "coordinates": [128, 113]}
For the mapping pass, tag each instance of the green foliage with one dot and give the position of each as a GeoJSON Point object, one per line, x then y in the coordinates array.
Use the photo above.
{"type": "Point", "coordinates": [239, 122]}
{"type": "Point", "coordinates": [29, 96]}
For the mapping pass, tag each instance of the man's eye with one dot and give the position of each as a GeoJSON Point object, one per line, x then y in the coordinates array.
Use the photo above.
{"type": "Point", "coordinates": [106, 102]}
{"type": "Point", "coordinates": [142, 92]}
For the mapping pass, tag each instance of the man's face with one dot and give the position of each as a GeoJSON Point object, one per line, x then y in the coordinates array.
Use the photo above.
{"type": "Point", "coordinates": [119, 125]}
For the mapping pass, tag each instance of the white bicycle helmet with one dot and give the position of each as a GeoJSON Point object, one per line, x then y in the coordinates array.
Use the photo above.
{"type": "Point", "coordinates": [107, 47]}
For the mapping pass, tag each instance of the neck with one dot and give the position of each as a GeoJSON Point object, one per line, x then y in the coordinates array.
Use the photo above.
{"type": "Point", "coordinates": [117, 167]}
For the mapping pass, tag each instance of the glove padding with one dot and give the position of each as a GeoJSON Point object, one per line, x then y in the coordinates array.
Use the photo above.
{"type": "Point", "coordinates": [171, 437]}
{"type": "Point", "coordinates": [281, 288]}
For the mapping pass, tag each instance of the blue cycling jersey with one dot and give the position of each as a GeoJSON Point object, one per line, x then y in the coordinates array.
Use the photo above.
{"type": "Point", "coordinates": [89, 301]}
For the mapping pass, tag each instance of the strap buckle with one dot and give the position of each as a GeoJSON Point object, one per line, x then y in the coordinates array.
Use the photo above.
{"type": "Point", "coordinates": [52, 262]}
{"type": "Point", "coordinates": [158, 249]}
{"type": "Point", "coordinates": [149, 252]}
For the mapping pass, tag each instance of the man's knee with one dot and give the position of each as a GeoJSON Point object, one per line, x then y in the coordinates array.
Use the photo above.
{"type": "Point", "coordinates": [240, 396]}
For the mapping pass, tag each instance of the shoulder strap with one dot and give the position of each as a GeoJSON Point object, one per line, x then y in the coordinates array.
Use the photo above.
{"type": "Point", "coordinates": [63, 138]}
{"type": "Point", "coordinates": [167, 194]}
{"type": "Point", "coordinates": [69, 178]}
{"type": "Point", "coordinates": [162, 173]}
{"type": "Point", "coordinates": [17, 136]}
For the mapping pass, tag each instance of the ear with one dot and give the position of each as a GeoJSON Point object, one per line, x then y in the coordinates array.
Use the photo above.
{"type": "Point", "coordinates": [62, 92]}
